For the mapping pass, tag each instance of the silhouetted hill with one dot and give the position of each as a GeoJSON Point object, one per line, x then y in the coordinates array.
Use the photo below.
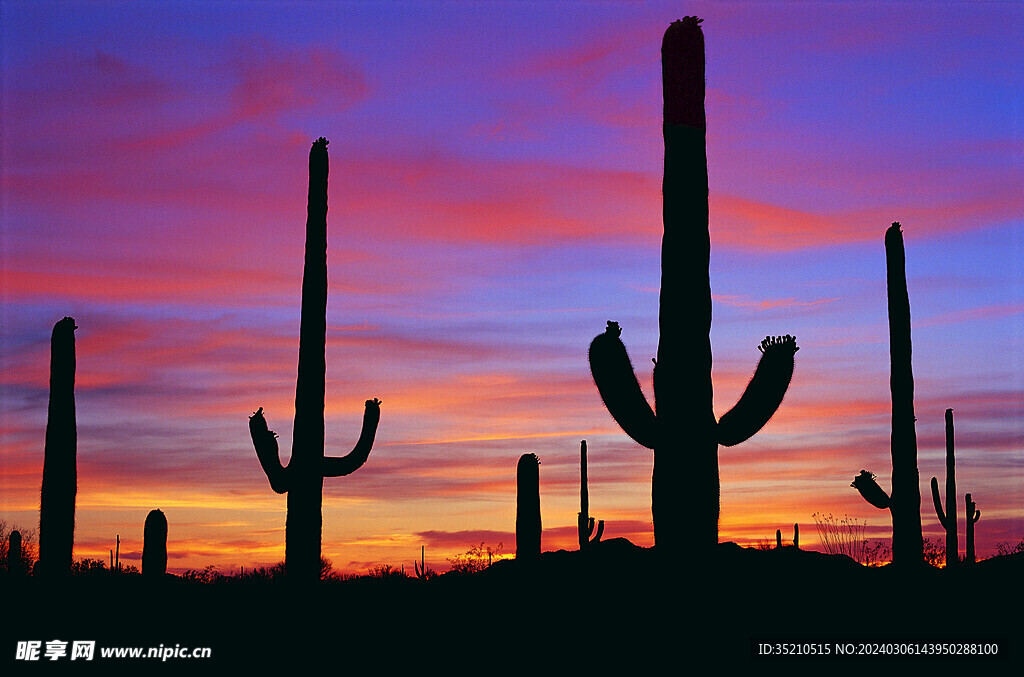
{"type": "Point", "coordinates": [614, 605]}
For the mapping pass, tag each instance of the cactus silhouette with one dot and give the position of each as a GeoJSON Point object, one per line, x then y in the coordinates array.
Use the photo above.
{"type": "Point", "coordinates": [796, 537]}
{"type": "Point", "coordinates": [947, 518]}
{"type": "Point", "coordinates": [303, 478]}
{"type": "Point", "coordinates": [60, 473]}
{"type": "Point", "coordinates": [528, 507]}
{"type": "Point", "coordinates": [973, 515]}
{"type": "Point", "coordinates": [905, 502]}
{"type": "Point", "coordinates": [684, 434]}
{"type": "Point", "coordinates": [154, 544]}
{"type": "Point", "coordinates": [584, 522]}
{"type": "Point", "coordinates": [14, 564]}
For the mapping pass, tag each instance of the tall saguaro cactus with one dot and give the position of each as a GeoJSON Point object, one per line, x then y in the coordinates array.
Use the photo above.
{"type": "Point", "coordinates": [684, 434]}
{"type": "Point", "coordinates": [60, 471]}
{"type": "Point", "coordinates": [303, 478]}
{"type": "Point", "coordinates": [154, 544]}
{"type": "Point", "coordinates": [905, 502]}
{"type": "Point", "coordinates": [528, 507]}
{"type": "Point", "coordinates": [584, 522]}
{"type": "Point", "coordinates": [947, 518]}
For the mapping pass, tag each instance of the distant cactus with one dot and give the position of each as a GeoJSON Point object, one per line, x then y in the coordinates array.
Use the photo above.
{"type": "Point", "coordinates": [684, 433]}
{"type": "Point", "coordinates": [905, 502]}
{"type": "Point", "coordinates": [303, 479]}
{"type": "Point", "coordinates": [584, 522]}
{"type": "Point", "coordinates": [422, 571]}
{"type": "Point", "coordinates": [528, 507]}
{"type": "Point", "coordinates": [15, 566]}
{"type": "Point", "coordinates": [947, 518]}
{"type": "Point", "coordinates": [154, 544]}
{"type": "Point", "coordinates": [973, 515]}
{"type": "Point", "coordinates": [60, 472]}
{"type": "Point", "coordinates": [796, 537]}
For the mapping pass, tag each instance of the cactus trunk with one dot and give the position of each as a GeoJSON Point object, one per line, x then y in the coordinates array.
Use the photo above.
{"type": "Point", "coordinates": [528, 507]}
{"type": "Point", "coordinates": [14, 564]}
{"type": "Point", "coordinates": [304, 475]}
{"type": "Point", "coordinates": [305, 518]}
{"type": "Point", "coordinates": [687, 441]}
{"type": "Point", "coordinates": [947, 517]}
{"type": "Point", "coordinates": [683, 433]}
{"type": "Point", "coordinates": [584, 522]}
{"type": "Point", "coordinates": [907, 537]}
{"type": "Point", "coordinates": [154, 544]}
{"type": "Point", "coordinates": [973, 515]}
{"type": "Point", "coordinates": [60, 472]}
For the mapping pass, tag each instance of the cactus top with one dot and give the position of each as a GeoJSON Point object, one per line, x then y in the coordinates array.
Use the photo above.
{"type": "Point", "coordinates": [682, 57]}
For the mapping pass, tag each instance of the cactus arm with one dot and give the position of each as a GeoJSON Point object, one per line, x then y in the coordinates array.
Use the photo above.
{"type": "Point", "coordinates": [867, 486]}
{"type": "Point", "coordinates": [339, 467]}
{"type": "Point", "coordinates": [600, 531]}
{"type": "Point", "coordinates": [764, 393]}
{"type": "Point", "coordinates": [265, 442]}
{"type": "Point", "coordinates": [937, 502]}
{"type": "Point", "coordinates": [617, 384]}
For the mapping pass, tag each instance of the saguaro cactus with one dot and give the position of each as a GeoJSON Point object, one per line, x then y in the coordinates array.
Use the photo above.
{"type": "Point", "coordinates": [60, 472]}
{"type": "Point", "coordinates": [154, 544]}
{"type": "Point", "coordinates": [973, 515]}
{"type": "Point", "coordinates": [584, 522]}
{"type": "Point", "coordinates": [528, 507]}
{"type": "Point", "coordinates": [14, 564]}
{"type": "Point", "coordinates": [684, 434]}
{"type": "Point", "coordinates": [947, 518]}
{"type": "Point", "coordinates": [303, 478]}
{"type": "Point", "coordinates": [905, 502]}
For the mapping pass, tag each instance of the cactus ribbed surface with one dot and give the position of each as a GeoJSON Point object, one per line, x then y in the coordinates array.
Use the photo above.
{"type": "Point", "coordinates": [528, 507]}
{"type": "Point", "coordinates": [904, 503]}
{"type": "Point", "coordinates": [584, 522]}
{"type": "Point", "coordinates": [60, 471]}
{"type": "Point", "coordinates": [303, 478]}
{"type": "Point", "coordinates": [154, 544]}
{"type": "Point", "coordinates": [947, 517]}
{"type": "Point", "coordinates": [684, 433]}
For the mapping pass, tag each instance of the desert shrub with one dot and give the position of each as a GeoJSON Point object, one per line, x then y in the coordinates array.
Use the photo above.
{"type": "Point", "coordinates": [477, 558]}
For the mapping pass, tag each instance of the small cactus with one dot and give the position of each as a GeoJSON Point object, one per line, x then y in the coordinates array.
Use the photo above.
{"type": "Point", "coordinates": [584, 522]}
{"type": "Point", "coordinates": [947, 518]}
{"type": "Point", "coordinates": [973, 515]}
{"type": "Point", "coordinates": [528, 526]}
{"type": "Point", "coordinates": [60, 472]}
{"type": "Point", "coordinates": [154, 544]}
{"type": "Point", "coordinates": [423, 572]}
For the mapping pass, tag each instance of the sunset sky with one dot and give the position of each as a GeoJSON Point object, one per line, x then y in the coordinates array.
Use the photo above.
{"type": "Point", "coordinates": [495, 198]}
